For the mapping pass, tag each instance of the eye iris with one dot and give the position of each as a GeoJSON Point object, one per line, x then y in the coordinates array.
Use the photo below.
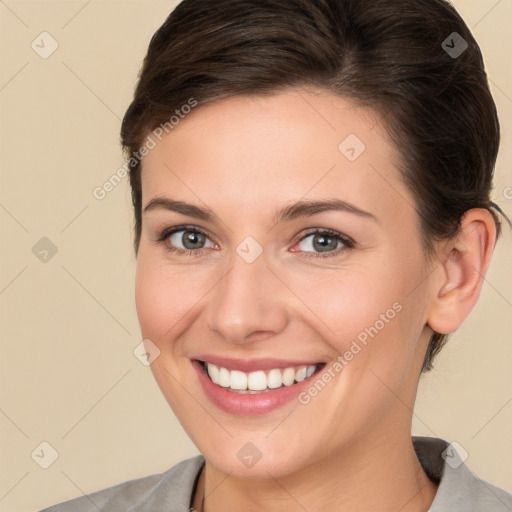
{"type": "Point", "coordinates": [324, 243]}
{"type": "Point", "coordinates": [192, 237]}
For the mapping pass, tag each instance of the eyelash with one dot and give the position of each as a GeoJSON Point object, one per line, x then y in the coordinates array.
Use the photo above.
{"type": "Point", "coordinates": [345, 240]}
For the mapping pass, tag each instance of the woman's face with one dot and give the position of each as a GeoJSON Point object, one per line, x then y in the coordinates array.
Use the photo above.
{"type": "Point", "coordinates": [272, 280]}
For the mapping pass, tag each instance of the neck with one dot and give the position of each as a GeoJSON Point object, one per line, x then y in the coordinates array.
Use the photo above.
{"type": "Point", "coordinates": [379, 474]}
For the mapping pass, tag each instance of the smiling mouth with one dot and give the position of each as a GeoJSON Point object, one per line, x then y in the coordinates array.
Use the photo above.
{"type": "Point", "coordinates": [261, 381]}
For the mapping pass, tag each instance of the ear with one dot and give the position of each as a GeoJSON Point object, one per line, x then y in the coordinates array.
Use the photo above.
{"type": "Point", "coordinates": [461, 268]}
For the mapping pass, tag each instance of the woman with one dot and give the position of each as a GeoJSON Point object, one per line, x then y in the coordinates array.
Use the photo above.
{"type": "Point", "coordinates": [311, 186]}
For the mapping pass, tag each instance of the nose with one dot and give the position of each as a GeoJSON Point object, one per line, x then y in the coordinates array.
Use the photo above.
{"type": "Point", "coordinates": [248, 304]}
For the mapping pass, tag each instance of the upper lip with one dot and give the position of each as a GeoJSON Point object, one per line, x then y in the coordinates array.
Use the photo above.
{"type": "Point", "coordinates": [251, 365]}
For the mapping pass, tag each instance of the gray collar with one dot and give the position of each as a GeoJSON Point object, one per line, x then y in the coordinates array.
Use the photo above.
{"type": "Point", "coordinates": [459, 489]}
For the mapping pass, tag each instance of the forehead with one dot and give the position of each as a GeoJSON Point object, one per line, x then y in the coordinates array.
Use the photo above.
{"type": "Point", "coordinates": [244, 152]}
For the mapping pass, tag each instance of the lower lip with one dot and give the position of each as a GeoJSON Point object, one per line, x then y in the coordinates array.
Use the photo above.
{"type": "Point", "coordinates": [249, 404]}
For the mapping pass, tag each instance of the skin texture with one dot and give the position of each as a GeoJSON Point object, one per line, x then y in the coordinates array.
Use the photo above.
{"type": "Point", "coordinates": [245, 158]}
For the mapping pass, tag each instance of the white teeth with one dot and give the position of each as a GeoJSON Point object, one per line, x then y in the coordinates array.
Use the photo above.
{"type": "Point", "coordinates": [301, 374]}
{"type": "Point", "coordinates": [288, 376]}
{"type": "Point", "coordinates": [274, 379]}
{"type": "Point", "coordinates": [238, 380]}
{"type": "Point", "coordinates": [259, 380]}
{"type": "Point", "coordinates": [224, 378]}
{"type": "Point", "coordinates": [213, 372]}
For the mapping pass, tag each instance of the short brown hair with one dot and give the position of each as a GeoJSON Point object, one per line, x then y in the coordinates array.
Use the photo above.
{"type": "Point", "coordinates": [391, 55]}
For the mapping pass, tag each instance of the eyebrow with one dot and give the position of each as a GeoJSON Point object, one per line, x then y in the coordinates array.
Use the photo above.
{"type": "Point", "coordinates": [307, 208]}
{"type": "Point", "coordinates": [164, 203]}
{"type": "Point", "coordinates": [303, 208]}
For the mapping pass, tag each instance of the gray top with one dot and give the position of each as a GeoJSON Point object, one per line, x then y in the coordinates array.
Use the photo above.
{"type": "Point", "coordinates": [172, 491]}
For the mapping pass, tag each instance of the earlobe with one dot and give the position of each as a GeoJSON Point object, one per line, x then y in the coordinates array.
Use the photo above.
{"type": "Point", "coordinates": [462, 266]}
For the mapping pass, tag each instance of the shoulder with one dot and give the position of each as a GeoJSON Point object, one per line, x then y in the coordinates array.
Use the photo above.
{"type": "Point", "coordinates": [170, 490]}
{"type": "Point", "coordinates": [459, 488]}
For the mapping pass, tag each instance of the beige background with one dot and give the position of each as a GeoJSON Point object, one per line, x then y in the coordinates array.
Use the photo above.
{"type": "Point", "coordinates": [68, 373]}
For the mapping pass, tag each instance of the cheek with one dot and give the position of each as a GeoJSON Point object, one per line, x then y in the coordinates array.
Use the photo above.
{"type": "Point", "coordinates": [368, 315]}
{"type": "Point", "coordinates": [165, 298]}
{"type": "Point", "coordinates": [373, 326]}
{"type": "Point", "coordinates": [165, 301]}
{"type": "Point", "coordinates": [346, 304]}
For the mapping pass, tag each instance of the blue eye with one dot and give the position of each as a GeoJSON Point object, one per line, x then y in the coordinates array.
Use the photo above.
{"type": "Point", "coordinates": [324, 243]}
{"type": "Point", "coordinates": [192, 240]}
